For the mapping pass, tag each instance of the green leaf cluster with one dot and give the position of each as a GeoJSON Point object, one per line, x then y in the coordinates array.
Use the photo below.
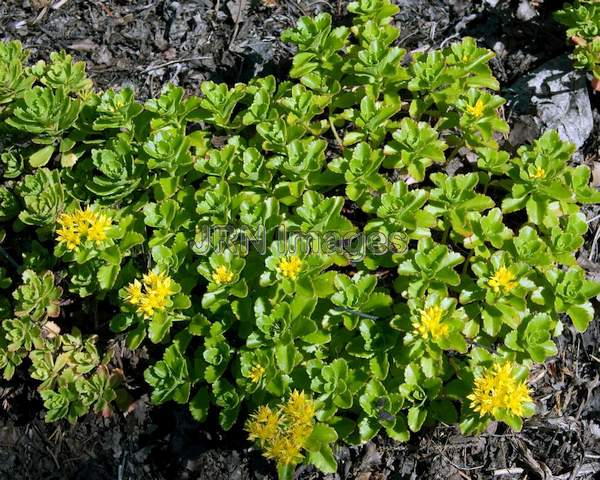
{"type": "Point", "coordinates": [582, 19]}
{"type": "Point", "coordinates": [399, 280]}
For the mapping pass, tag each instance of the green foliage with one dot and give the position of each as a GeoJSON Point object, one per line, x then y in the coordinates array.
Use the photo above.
{"type": "Point", "coordinates": [37, 297]}
{"type": "Point", "coordinates": [43, 197]}
{"type": "Point", "coordinates": [9, 205]}
{"type": "Point", "coordinates": [582, 19]}
{"type": "Point", "coordinates": [14, 78]}
{"type": "Point", "coordinates": [302, 235]}
{"type": "Point", "coordinates": [62, 72]}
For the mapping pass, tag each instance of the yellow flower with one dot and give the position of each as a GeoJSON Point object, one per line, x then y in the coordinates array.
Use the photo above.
{"type": "Point", "coordinates": [222, 275]}
{"type": "Point", "coordinates": [282, 434]}
{"type": "Point", "coordinates": [134, 292]}
{"type": "Point", "coordinates": [497, 388]}
{"type": "Point", "coordinates": [256, 373]}
{"type": "Point", "coordinates": [67, 220]}
{"type": "Point", "coordinates": [152, 302]}
{"type": "Point", "coordinates": [477, 109]}
{"type": "Point", "coordinates": [299, 407]}
{"type": "Point", "coordinates": [158, 283]}
{"type": "Point", "coordinates": [152, 279]}
{"type": "Point", "coordinates": [82, 223]}
{"type": "Point", "coordinates": [255, 430]}
{"type": "Point", "coordinates": [70, 236]}
{"type": "Point", "coordinates": [300, 431]}
{"type": "Point", "coordinates": [152, 296]}
{"type": "Point", "coordinates": [503, 372]}
{"type": "Point", "coordinates": [539, 173]}
{"type": "Point", "coordinates": [519, 396]}
{"type": "Point", "coordinates": [503, 280]}
{"type": "Point", "coordinates": [290, 267]}
{"type": "Point", "coordinates": [84, 219]}
{"type": "Point", "coordinates": [263, 414]}
{"type": "Point", "coordinates": [69, 232]}
{"type": "Point", "coordinates": [96, 231]}
{"type": "Point", "coordinates": [87, 215]}
{"type": "Point", "coordinates": [145, 308]}
{"type": "Point", "coordinates": [264, 424]}
{"type": "Point", "coordinates": [284, 451]}
{"type": "Point", "coordinates": [431, 323]}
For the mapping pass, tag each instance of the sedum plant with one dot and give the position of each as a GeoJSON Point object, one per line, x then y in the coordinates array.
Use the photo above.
{"type": "Point", "coordinates": [582, 19]}
{"type": "Point", "coordinates": [297, 252]}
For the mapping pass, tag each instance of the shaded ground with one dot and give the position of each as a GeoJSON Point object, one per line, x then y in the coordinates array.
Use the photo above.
{"type": "Point", "coordinates": [149, 42]}
{"type": "Point", "coordinates": [146, 43]}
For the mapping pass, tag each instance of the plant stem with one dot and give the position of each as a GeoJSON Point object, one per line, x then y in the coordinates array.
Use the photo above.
{"type": "Point", "coordinates": [466, 264]}
{"type": "Point", "coordinates": [446, 232]}
{"type": "Point", "coordinates": [335, 134]}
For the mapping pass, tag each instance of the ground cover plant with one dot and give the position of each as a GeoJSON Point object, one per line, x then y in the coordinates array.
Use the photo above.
{"type": "Point", "coordinates": [583, 21]}
{"type": "Point", "coordinates": [107, 203]}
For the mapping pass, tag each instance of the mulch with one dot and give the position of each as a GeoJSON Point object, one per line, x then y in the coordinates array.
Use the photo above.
{"type": "Point", "coordinates": [146, 43]}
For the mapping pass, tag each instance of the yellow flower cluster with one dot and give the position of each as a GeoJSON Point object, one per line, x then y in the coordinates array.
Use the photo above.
{"type": "Point", "coordinates": [503, 280]}
{"type": "Point", "coordinates": [539, 173]}
{"type": "Point", "coordinates": [282, 433]}
{"type": "Point", "coordinates": [430, 324]}
{"type": "Point", "coordinates": [82, 224]}
{"type": "Point", "coordinates": [222, 275]}
{"type": "Point", "coordinates": [477, 109]}
{"type": "Point", "coordinates": [150, 295]}
{"type": "Point", "coordinates": [256, 373]}
{"type": "Point", "coordinates": [290, 267]}
{"type": "Point", "coordinates": [497, 388]}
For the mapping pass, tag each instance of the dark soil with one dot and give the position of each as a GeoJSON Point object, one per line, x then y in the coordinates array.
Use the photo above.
{"type": "Point", "coordinates": [146, 43]}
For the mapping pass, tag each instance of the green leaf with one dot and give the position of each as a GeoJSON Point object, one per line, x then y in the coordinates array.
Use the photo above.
{"type": "Point", "coordinates": [285, 354]}
{"type": "Point", "coordinates": [444, 411]}
{"type": "Point", "coordinates": [199, 325]}
{"type": "Point", "coordinates": [368, 427]}
{"type": "Point", "coordinates": [379, 365]}
{"type": "Point", "coordinates": [136, 336]}
{"type": "Point", "coordinates": [323, 284]}
{"type": "Point", "coordinates": [323, 434]}
{"type": "Point", "coordinates": [131, 239]}
{"type": "Point", "coordinates": [304, 301]}
{"type": "Point", "coordinates": [112, 255]}
{"type": "Point", "coordinates": [416, 418]}
{"type": "Point", "coordinates": [121, 322]}
{"type": "Point", "coordinates": [399, 431]}
{"type": "Point", "coordinates": [107, 276]}
{"type": "Point", "coordinates": [159, 326]}
{"type": "Point", "coordinates": [513, 421]}
{"type": "Point", "coordinates": [42, 156]}
{"type": "Point", "coordinates": [228, 417]}
{"type": "Point", "coordinates": [581, 315]}
{"type": "Point", "coordinates": [323, 459]}
{"type": "Point", "coordinates": [200, 404]}
{"type": "Point", "coordinates": [181, 302]}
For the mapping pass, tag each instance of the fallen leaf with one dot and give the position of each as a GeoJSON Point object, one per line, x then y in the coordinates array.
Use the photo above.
{"type": "Point", "coordinates": [596, 174]}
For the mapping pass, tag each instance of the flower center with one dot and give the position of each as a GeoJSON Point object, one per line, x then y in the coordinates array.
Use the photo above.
{"type": "Point", "coordinates": [431, 325]}
{"type": "Point", "coordinates": [539, 173]}
{"type": "Point", "coordinates": [256, 373]}
{"type": "Point", "coordinates": [222, 275]}
{"type": "Point", "coordinates": [503, 280]}
{"type": "Point", "coordinates": [477, 109]}
{"type": "Point", "coordinates": [290, 267]}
